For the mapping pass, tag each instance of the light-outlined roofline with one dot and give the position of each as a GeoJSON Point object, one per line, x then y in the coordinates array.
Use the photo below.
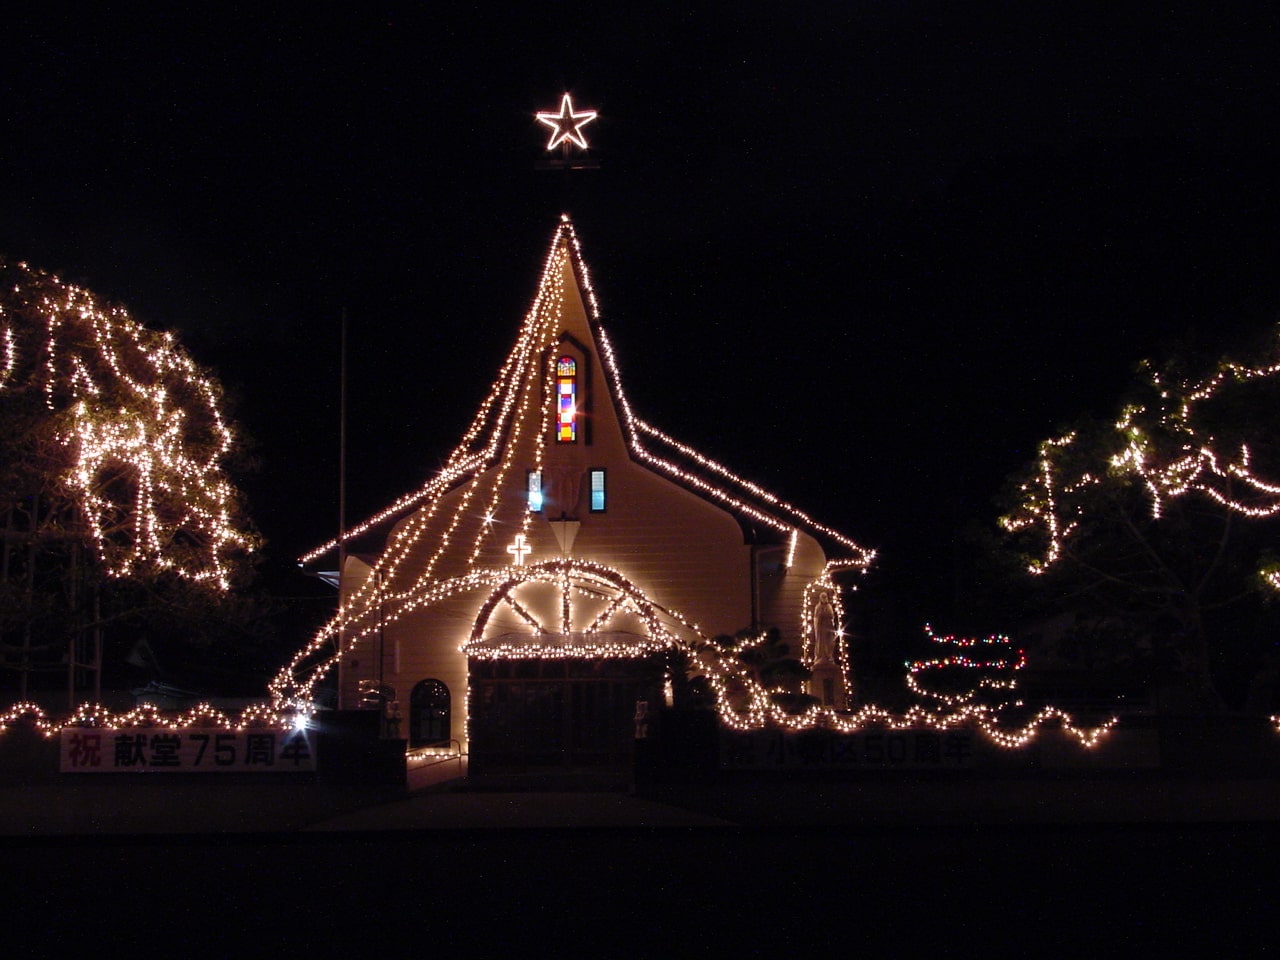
{"type": "Point", "coordinates": [482, 443]}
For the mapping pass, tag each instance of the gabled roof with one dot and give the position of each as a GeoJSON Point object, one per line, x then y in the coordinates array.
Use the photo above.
{"type": "Point", "coordinates": [491, 429]}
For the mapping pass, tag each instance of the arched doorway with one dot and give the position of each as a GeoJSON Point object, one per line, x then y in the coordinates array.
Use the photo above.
{"type": "Point", "coordinates": [429, 709]}
{"type": "Point", "coordinates": [560, 655]}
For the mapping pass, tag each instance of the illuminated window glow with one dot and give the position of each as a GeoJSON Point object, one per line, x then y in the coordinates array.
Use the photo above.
{"type": "Point", "coordinates": [597, 491]}
{"type": "Point", "coordinates": [534, 487]}
{"type": "Point", "coordinates": [566, 400]}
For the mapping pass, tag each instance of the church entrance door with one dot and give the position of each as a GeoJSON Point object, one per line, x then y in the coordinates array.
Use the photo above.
{"type": "Point", "coordinates": [559, 713]}
{"type": "Point", "coordinates": [559, 655]}
{"type": "Point", "coordinates": [429, 714]}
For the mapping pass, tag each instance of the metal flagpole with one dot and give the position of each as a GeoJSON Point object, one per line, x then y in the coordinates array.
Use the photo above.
{"type": "Point", "coordinates": [342, 504]}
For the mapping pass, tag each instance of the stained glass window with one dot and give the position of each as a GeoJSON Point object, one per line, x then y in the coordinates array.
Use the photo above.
{"type": "Point", "coordinates": [566, 400]}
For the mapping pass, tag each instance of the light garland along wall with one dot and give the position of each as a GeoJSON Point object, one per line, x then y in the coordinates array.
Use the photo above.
{"type": "Point", "coordinates": [731, 682]}
{"type": "Point", "coordinates": [254, 717]}
{"type": "Point", "coordinates": [742, 701]}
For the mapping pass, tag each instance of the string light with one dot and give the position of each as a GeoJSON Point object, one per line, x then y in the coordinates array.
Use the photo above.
{"type": "Point", "coordinates": [141, 426]}
{"type": "Point", "coordinates": [1004, 667]}
{"type": "Point", "coordinates": [744, 704]}
{"type": "Point", "coordinates": [460, 512]}
{"type": "Point", "coordinates": [596, 602]}
{"type": "Point", "coordinates": [496, 440]}
{"type": "Point", "coordinates": [253, 717]}
{"type": "Point", "coordinates": [567, 124]}
{"type": "Point", "coordinates": [1189, 462]}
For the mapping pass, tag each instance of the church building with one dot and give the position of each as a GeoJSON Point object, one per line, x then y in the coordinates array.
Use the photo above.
{"type": "Point", "coordinates": [572, 570]}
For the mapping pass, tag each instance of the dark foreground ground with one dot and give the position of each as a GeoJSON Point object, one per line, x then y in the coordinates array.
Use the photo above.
{"type": "Point", "coordinates": [1107, 890]}
{"type": "Point", "coordinates": [962, 866]}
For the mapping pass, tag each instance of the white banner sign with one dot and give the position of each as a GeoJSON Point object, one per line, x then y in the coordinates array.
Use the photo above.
{"type": "Point", "coordinates": [152, 750]}
{"type": "Point", "coordinates": [823, 750]}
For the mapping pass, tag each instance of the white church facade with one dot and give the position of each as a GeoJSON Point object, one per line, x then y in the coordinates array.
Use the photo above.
{"type": "Point", "coordinates": [571, 561]}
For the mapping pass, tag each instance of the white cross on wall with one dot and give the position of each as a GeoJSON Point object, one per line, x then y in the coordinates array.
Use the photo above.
{"type": "Point", "coordinates": [519, 550]}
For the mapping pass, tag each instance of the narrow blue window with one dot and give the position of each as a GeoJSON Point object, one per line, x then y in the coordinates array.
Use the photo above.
{"type": "Point", "coordinates": [597, 491]}
{"type": "Point", "coordinates": [534, 486]}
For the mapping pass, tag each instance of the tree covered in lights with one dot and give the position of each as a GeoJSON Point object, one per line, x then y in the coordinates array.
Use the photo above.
{"type": "Point", "coordinates": [772, 664]}
{"type": "Point", "coordinates": [115, 503]}
{"type": "Point", "coordinates": [1158, 528]}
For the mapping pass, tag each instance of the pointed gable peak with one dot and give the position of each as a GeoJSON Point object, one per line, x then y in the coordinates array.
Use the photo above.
{"type": "Point", "coordinates": [564, 261]}
{"type": "Point", "coordinates": [564, 322]}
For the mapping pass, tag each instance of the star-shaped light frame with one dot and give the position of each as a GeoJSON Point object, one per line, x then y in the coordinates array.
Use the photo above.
{"type": "Point", "coordinates": [566, 126]}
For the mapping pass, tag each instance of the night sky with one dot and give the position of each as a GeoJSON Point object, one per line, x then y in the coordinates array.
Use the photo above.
{"type": "Point", "coordinates": [868, 258]}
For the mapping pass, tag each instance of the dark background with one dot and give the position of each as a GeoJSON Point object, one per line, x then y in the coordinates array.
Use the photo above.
{"type": "Point", "coordinates": [866, 257]}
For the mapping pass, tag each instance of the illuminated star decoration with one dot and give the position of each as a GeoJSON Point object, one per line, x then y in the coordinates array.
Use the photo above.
{"type": "Point", "coordinates": [567, 124]}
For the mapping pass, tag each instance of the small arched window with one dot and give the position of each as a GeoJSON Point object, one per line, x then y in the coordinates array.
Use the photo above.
{"type": "Point", "coordinates": [429, 709]}
{"type": "Point", "coordinates": [566, 400]}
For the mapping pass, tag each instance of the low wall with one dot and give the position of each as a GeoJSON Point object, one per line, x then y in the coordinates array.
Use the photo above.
{"type": "Point", "coordinates": [694, 746]}
{"type": "Point", "coordinates": [348, 749]}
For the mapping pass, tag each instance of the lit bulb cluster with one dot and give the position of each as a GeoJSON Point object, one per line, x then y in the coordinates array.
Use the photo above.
{"type": "Point", "coordinates": [430, 754]}
{"type": "Point", "coordinates": [461, 509]}
{"type": "Point", "coordinates": [638, 431]}
{"type": "Point", "coordinates": [566, 126]}
{"type": "Point", "coordinates": [254, 717]}
{"type": "Point", "coordinates": [604, 596]}
{"type": "Point", "coordinates": [1048, 503]}
{"type": "Point", "coordinates": [1188, 462]}
{"type": "Point", "coordinates": [475, 515]}
{"type": "Point", "coordinates": [744, 704]}
{"type": "Point", "coordinates": [994, 664]}
{"type": "Point", "coordinates": [1003, 666]}
{"type": "Point", "coordinates": [141, 425]}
